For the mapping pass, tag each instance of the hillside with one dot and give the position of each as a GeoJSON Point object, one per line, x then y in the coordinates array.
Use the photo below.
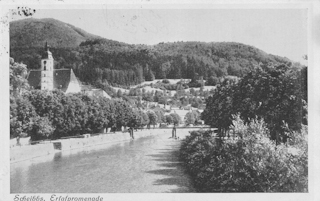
{"type": "Point", "coordinates": [35, 32]}
{"type": "Point", "coordinates": [100, 61]}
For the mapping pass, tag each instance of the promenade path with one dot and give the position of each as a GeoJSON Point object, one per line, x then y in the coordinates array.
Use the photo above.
{"type": "Point", "coordinates": [144, 165]}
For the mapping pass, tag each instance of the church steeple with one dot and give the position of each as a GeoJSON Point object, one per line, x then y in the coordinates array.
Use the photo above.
{"type": "Point", "coordinates": [46, 53]}
{"type": "Point", "coordinates": [47, 69]}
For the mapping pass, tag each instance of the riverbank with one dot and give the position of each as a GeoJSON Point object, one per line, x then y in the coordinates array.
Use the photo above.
{"type": "Point", "coordinates": [147, 164]}
{"type": "Point", "coordinates": [28, 152]}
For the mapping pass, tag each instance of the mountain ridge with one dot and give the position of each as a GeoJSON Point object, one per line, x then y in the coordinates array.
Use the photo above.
{"type": "Point", "coordinates": [23, 32]}
{"type": "Point", "coordinates": [97, 59]}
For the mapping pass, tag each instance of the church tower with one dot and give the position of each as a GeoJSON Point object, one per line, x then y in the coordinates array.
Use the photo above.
{"type": "Point", "coordinates": [47, 70]}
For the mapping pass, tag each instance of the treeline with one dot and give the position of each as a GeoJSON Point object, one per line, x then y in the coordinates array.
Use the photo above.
{"type": "Point", "coordinates": [100, 61]}
{"type": "Point", "coordinates": [276, 94]}
{"type": "Point", "coordinates": [53, 114]}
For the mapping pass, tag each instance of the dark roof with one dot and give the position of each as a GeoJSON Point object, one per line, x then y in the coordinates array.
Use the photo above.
{"type": "Point", "coordinates": [34, 79]}
{"type": "Point", "coordinates": [61, 79]}
{"type": "Point", "coordinates": [45, 55]}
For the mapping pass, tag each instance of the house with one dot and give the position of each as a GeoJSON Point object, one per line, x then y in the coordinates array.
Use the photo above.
{"type": "Point", "coordinates": [88, 90]}
{"type": "Point", "coordinates": [48, 78]}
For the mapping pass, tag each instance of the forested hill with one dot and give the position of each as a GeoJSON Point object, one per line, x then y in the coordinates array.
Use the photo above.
{"type": "Point", "coordinates": [98, 60]}
{"type": "Point", "coordinates": [35, 32]}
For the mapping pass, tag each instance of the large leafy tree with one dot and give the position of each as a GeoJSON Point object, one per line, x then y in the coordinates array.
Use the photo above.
{"type": "Point", "coordinates": [189, 118]}
{"type": "Point", "coordinates": [123, 113]}
{"type": "Point", "coordinates": [220, 107]}
{"type": "Point", "coordinates": [160, 115]}
{"type": "Point", "coordinates": [78, 116]}
{"type": "Point", "coordinates": [41, 129]}
{"type": "Point", "coordinates": [176, 119]}
{"type": "Point", "coordinates": [275, 94]}
{"type": "Point", "coordinates": [18, 81]}
{"type": "Point", "coordinates": [192, 117]}
{"type": "Point", "coordinates": [22, 117]}
{"type": "Point", "coordinates": [153, 118]}
{"type": "Point", "coordinates": [272, 93]}
{"type": "Point", "coordinates": [51, 105]}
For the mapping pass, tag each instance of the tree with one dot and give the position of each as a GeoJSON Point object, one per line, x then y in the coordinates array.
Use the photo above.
{"type": "Point", "coordinates": [148, 96]}
{"type": "Point", "coordinates": [51, 105]}
{"type": "Point", "coordinates": [41, 129]}
{"type": "Point", "coordinates": [163, 100]}
{"type": "Point", "coordinates": [212, 81]}
{"type": "Point", "coordinates": [275, 94]}
{"type": "Point", "coordinates": [145, 118]}
{"type": "Point", "coordinates": [149, 76]}
{"type": "Point", "coordinates": [271, 93]}
{"type": "Point", "coordinates": [123, 113]}
{"type": "Point", "coordinates": [18, 81]}
{"type": "Point", "coordinates": [175, 118]}
{"type": "Point", "coordinates": [119, 93]}
{"type": "Point", "coordinates": [189, 118]}
{"type": "Point", "coordinates": [22, 117]}
{"type": "Point", "coordinates": [220, 107]}
{"type": "Point", "coordinates": [136, 120]}
{"type": "Point", "coordinates": [169, 119]}
{"type": "Point", "coordinates": [160, 115]}
{"type": "Point", "coordinates": [152, 118]}
{"type": "Point", "coordinates": [105, 106]}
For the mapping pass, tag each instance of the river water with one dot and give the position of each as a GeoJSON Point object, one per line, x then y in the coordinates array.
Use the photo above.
{"type": "Point", "coordinates": [143, 165]}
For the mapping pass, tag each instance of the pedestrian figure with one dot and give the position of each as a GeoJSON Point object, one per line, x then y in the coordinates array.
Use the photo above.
{"type": "Point", "coordinates": [18, 140]}
{"type": "Point", "coordinates": [174, 132]}
{"type": "Point", "coordinates": [131, 132]}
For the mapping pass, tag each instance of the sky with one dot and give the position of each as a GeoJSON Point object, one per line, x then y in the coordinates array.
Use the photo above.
{"type": "Point", "coordinates": [280, 32]}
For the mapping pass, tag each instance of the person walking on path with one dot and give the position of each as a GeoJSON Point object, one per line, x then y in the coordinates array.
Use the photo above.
{"type": "Point", "coordinates": [131, 132]}
{"type": "Point", "coordinates": [174, 132]}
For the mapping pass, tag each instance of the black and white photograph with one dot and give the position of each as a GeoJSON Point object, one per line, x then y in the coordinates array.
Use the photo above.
{"type": "Point", "coordinates": [159, 101]}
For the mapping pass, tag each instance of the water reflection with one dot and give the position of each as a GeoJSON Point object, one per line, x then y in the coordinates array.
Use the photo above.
{"type": "Point", "coordinates": [125, 167]}
{"type": "Point", "coordinates": [57, 156]}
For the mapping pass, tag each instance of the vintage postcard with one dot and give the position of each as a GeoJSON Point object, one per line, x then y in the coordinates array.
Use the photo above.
{"type": "Point", "coordinates": [150, 100]}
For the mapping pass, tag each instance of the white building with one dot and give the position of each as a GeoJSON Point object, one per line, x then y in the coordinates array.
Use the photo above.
{"type": "Point", "coordinates": [48, 78]}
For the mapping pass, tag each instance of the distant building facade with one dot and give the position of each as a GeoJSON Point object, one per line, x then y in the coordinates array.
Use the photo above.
{"type": "Point", "coordinates": [88, 90]}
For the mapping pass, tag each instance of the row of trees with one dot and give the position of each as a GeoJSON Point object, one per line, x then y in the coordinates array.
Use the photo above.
{"type": "Point", "coordinates": [276, 94]}
{"type": "Point", "coordinates": [53, 114]}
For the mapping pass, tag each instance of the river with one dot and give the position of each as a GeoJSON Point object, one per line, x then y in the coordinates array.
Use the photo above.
{"type": "Point", "coordinates": [143, 165]}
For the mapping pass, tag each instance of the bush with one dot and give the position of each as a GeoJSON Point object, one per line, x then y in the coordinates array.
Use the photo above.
{"type": "Point", "coordinates": [165, 81]}
{"type": "Point", "coordinates": [251, 164]}
{"type": "Point", "coordinates": [212, 81]}
{"type": "Point", "coordinates": [194, 84]}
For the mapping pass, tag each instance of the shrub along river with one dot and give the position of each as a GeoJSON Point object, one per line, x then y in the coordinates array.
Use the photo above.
{"type": "Point", "coordinates": [143, 165]}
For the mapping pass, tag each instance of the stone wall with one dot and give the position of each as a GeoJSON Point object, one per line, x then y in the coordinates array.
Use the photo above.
{"type": "Point", "coordinates": [27, 151]}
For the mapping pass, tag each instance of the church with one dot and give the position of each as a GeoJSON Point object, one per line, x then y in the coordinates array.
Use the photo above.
{"type": "Point", "coordinates": [48, 78]}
